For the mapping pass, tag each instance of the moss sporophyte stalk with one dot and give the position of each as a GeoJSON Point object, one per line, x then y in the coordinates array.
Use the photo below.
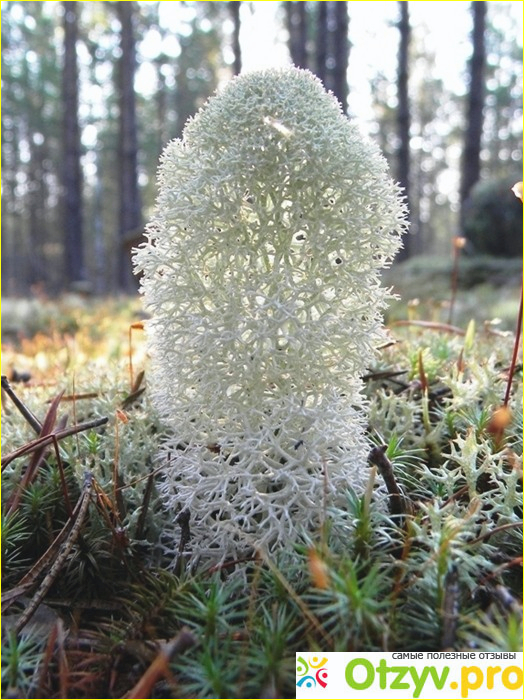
{"type": "Point", "coordinates": [261, 277]}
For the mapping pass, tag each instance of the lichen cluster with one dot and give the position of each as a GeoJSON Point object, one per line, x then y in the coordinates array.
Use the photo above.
{"type": "Point", "coordinates": [261, 277]}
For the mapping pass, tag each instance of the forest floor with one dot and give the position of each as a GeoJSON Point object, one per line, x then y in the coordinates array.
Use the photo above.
{"type": "Point", "coordinates": [94, 608]}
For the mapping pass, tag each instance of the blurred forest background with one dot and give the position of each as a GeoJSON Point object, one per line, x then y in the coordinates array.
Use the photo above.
{"type": "Point", "coordinates": [92, 92]}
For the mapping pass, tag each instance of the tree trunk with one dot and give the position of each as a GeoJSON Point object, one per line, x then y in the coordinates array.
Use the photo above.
{"type": "Point", "coordinates": [130, 218]}
{"type": "Point", "coordinates": [322, 41]}
{"type": "Point", "coordinates": [403, 115]}
{"type": "Point", "coordinates": [340, 53]}
{"type": "Point", "coordinates": [475, 107]}
{"type": "Point", "coordinates": [234, 9]}
{"type": "Point", "coordinates": [296, 17]}
{"type": "Point", "coordinates": [333, 48]}
{"type": "Point", "coordinates": [72, 171]}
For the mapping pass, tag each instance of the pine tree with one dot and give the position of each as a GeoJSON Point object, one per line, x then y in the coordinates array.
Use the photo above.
{"type": "Point", "coordinates": [475, 105]}
{"type": "Point", "coordinates": [332, 48]}
{"type": "Point", "coordinates": [403, 114]}
{"type": "Point", "coordinates": [234, 9]}
{"type": "Point", "coordinates": [340, 53]}
{"type": "Point", "coordinates": [130, 219]}
{"type": "Point", "coordinates": [297, 26]}
{"type": "Point", "coordinates": [71, 170]}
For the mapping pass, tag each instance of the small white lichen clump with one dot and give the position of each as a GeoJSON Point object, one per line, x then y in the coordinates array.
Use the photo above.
{"type": "Point", "coordinates": [261, 275]}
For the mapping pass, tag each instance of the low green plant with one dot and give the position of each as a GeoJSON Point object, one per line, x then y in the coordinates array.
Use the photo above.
{"type": "Point", "coordinates": [424, 555]}
{"type": "Point", "coordinates": [493, 219]}
{"type": "Point", "coordinates": [368, 580]}
{"type": "Point", "coordinates": [21, 659]}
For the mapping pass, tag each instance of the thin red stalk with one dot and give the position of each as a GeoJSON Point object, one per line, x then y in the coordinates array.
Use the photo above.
{"type": "Point", "coordinates": [134, 326]}
{"type": "Point", "coordinates": [454, 283]}
{"type": "Point", "coordinates": [518, 331]}
{"type": "Point", "coordinates": [63, 480]}
{"type": "Point", "coordinates": [130, 349]}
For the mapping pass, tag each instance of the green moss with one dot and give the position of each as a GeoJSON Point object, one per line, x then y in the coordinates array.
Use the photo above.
{"type": "Point", "coordinates": [374, 581]}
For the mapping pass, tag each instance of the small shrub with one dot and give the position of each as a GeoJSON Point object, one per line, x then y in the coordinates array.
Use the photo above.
{"type": "Point", "coordinates": [493, 219]}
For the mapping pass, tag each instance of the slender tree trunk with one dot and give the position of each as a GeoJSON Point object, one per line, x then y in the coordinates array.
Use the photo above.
{"type": "Point", "coordinates": [234, 9]}
{"type": "Point", "coordinates": [162, 132]}
{"type": "Point", "coordinates": [322, 41]}
{"type": "Point", "coordinates": [37, 228]}
{"type": "Point", "coordinates": [333, 48]}
{"type": "Point", "coordinates": [475, 107]}
{"type": "Point", "coordinates": [296, 16]}
{"type": "Point", "coordinates": [72, 171]}
{"type": "Point", "coordinates": [403, 115]}
{"type": "Point", "coordinates": [340, 53]}
{"type": "Point", "coordinates": [130, 219]}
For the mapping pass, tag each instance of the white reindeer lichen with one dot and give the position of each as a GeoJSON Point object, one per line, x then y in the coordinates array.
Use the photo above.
{"type": "Point", "coordinates": [261, 275]}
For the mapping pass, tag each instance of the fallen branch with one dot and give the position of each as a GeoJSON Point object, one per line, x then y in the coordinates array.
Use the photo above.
{"type": "Point", "coordinates": [38, 456]}
{"type": "Point", "coordinates": [431, 325]}
{"type": "Point", "coordinates": [75, 525]}
{"type": "Point", "coordinates": [48, 439]}
{"type": "Point", "coordinates": [159, 668]}
{"type": "Point", "coordinates": [24, 410]}
{"type": "Point", "coordinates": [398, 504]}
